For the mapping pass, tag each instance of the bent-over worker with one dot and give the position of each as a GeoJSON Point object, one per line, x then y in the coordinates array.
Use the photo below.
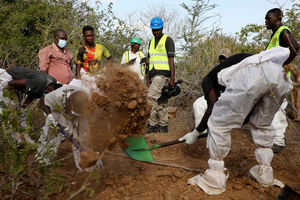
{"type": "Point", "coordinates": [256, 85]}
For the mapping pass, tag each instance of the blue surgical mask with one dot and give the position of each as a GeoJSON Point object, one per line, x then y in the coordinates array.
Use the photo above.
{"type": "Point", "coordinates": [62, 43]}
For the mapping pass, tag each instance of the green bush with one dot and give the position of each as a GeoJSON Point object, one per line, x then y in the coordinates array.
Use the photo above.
{"type": "Point", "coordinates": [21, 176]}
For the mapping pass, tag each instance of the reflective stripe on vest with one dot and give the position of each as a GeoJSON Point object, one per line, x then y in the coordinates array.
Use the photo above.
{"type": "Point", "coordinates": [274, 42]}
{"type": "Point", "coordinates": [141, 56]}
{"type": "Point", "coordinates": [158, 56]}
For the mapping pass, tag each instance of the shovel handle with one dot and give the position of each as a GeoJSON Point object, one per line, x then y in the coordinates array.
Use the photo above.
{"type": "Point", "coordinates": [62, 130]}
{"type": "Point", "coordinates": [165, 144]}
{"type": "Point", "coordinates": [177, 141]}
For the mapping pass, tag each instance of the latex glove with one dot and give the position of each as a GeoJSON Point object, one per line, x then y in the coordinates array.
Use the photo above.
{"type": "Point", "coordinates": [191, 137]}
{"type": "Point", "coordinates": [51, 120]}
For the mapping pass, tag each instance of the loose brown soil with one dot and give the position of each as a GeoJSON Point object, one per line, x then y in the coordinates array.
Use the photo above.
{"type": "Point", "coordinates": [121, 109]}
{"type": "Point", "coordinates": [88, 158]}
{"type": "Point", "coordinates": [124, 178]}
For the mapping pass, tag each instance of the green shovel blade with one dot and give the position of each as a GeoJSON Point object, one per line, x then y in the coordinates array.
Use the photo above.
{"type": "Point", "coordinates": [137, 143]}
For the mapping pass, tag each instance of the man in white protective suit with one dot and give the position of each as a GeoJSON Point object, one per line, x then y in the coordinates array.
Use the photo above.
{"type": "Point", "coordinates": [254, 87]}
{"type": "Point", "coordinates": [68, 106]}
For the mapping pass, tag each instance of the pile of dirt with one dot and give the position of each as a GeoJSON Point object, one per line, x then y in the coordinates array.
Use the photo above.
{"type": "Point", "coordinates": [120, 110]}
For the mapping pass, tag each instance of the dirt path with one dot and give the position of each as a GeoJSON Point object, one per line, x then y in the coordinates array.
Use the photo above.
{"type": "Point", "coordinates": [127, 179]}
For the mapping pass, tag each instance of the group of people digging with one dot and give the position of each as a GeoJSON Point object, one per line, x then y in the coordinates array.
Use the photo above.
{"type": "Point", "coordinates": [243, 88]}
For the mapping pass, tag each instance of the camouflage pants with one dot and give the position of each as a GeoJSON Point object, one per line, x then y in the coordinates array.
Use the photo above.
{"type": "Point", "coordinates": [159, 112]}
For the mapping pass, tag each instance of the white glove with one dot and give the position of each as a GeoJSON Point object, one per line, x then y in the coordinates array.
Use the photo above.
{"type": "Point", "coordinates": [51, 120]}
{"type": "Point", "coordinates": [191, 137]}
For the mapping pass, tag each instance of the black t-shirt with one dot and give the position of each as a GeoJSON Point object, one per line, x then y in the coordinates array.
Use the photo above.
{"type": "Point", "coordinates": [170, 47]}
{"type": "Point", "coordinates": [211, 79]}
{"type": "Point", "coordinates": [36, 81]}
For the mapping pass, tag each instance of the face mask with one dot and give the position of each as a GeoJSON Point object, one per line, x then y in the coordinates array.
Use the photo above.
{"type": "Point", "coordinates": [62, 43]}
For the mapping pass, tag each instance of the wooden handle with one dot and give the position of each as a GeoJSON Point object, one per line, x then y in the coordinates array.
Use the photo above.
{"type": "Point", "coordinates": [165, 144]}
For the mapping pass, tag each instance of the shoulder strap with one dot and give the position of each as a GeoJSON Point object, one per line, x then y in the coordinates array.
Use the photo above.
{"type": "Point", "coordinates": [140, 54]}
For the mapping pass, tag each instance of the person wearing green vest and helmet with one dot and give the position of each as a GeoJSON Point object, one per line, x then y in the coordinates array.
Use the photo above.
{"type": "Point", "coordinates": [281, 36]}
{"type": "Point", "coordinates": [132, 58]}
{"type": "Point", "coordinates": [160, 73]}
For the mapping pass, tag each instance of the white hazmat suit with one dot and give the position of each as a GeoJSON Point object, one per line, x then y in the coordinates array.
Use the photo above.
{"type": "Point", "coordinates": [49, 140]}
{"type": "Point", "coordinates": [256, 82]}
{"type": "Point", "coordinates": [77, 127]}
{"type": "Point", "coordinates": [279, 122]}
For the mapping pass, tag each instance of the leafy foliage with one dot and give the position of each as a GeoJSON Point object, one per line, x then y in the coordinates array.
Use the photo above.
{"type": "Point", "coordinates": [194, 28]}
{"type": "Point", "coordinates": [114, 33]}
{"type": "Point", "coordinates": [19, 171]}
{"type": "Point", "coordinates": [28, 26]}
{"type": "Point", "coordinates": [54, 184]}
{"type": "Point", "coordinates": [14, 153]}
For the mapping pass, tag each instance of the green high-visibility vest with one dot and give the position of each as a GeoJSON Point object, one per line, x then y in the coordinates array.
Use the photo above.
{"type": "Point", "coordinates": [158, 56]}
{"type": "Point", "coordinates": [274, 42]}
{"type": "Point", "coordinates": [141, 56]}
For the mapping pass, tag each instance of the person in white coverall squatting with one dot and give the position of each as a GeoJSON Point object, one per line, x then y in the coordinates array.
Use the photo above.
{"type": "Point", "coordinates": [74, 102]}
{"type": "Point", "coordinates": [256, 85]}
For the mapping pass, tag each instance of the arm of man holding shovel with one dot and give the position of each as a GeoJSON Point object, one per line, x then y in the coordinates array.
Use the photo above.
{"type": "Point", "coordinates": [212, 90]}
{"type": "Point", "coordinates": [191, 137]}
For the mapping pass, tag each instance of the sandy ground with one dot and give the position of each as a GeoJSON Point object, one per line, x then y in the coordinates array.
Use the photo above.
{"type": "Point", "coordinates": [126, 179]}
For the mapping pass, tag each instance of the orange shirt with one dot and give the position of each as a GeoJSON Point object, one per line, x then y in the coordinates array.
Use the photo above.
{"type": "Point", "coordinates": [57, 63]}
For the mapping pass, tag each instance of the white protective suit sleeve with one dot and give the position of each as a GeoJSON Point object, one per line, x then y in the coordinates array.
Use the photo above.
{"type": "Point", "coordinates": [49, 140]}
{"type": "Point", "coordinates": [4, 79]}
{"type": "Point", "coordinates": [257, 84]}
{"type": "Point", "coordinates": [78, 83]}
{"type": "Point", "coordinates": [280, 124]}
{"type": "Point", "coordinates": [199, 108]}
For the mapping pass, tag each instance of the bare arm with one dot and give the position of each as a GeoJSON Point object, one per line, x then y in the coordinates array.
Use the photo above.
{"type": "Point", "coordinates": [172, 70]}
{"type": "Point", "coordinates": [109, 61]}
{"type": "Point", "coordinates": [71, 64]}
{"type": "Point", "coordinates": [44, 60]}
{"type": "Point", "coordinates": [17, 84]}
{"type": "Point", "coordinates": [130, 62]}
{"type": "Point", "coordinates": [290, 41]}
{"type": "Point", "coordinates": [78, 67]}
{"type": "Point", "coordinates": [147, 72]}
{"type": "Point", "coordinates": [45, 108]}
{"type": "Point", "coordinates": [211, 100]}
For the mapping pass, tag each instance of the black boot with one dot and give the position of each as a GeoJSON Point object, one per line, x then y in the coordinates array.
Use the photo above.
{"type": "Point", "coordinates": [277, 148]}
{"type": "Point", "coordinates": [163, 129]}
{"type": "Point", "coordinates": [151, 129]}
{"type": "Point", "coordinates": [288, 193]}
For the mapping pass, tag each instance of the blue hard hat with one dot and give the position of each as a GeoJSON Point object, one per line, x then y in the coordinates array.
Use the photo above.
{"type": "Point", "coordinates": [156, 23]}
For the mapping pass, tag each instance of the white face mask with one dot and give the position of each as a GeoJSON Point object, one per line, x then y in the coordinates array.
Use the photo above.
{"type": "Point", "coordinates": [62, 43]}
